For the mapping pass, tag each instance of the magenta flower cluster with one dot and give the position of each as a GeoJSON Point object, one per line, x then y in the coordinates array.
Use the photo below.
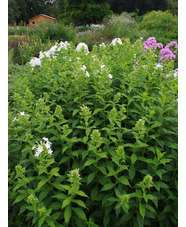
{"type": "Point", "coordinates": [151, 42]}
{"type": "Point", "coordinates": [167, 53]}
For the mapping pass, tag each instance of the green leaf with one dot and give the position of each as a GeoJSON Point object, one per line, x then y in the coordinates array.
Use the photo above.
{"type": "Point", "coordinates": [58, 185]}
{"type": "Point", "coordinates": [124, 180]}
{"type": "Point", "coordinates": [23, 208]}
{"type": "Point", "coordinates": [81, 193]}
{"type": "Point", "coordinates": [111, 172]}
{"type": "Point", "coordinates": [67, 214]}
{"type": "Point", "coordinates": [148, 197]}
{"type": "Point", "coordinates": [114, 139]}
{"type": "Point", "coordinates": [160, 172]}
{"type": "Point", "coordinates": [94, 193]}
{"type": "Point", "coordinates": [19, 198]}
{"type": "Point", "coordinates": [75, 112]}
{"type": "Point", "coordinates": [54, 172]}
{"type": "Point", "coordinates": [42, 169]}
{"type": "Point", "coordinates": [56, 215]}
{"type": "Point", "coordinates": [50, 222]}
{"type": "Point", "coordinates": [167, 208]}
{"type": "Point", "coordinates": [140, 220]}
{"type": "Point", "coordinates": [41, 221]}
{"type": "Point", "coordinates": [132, 172]}
{"type": "Point", "coordinates": [41, 183]}
{"type": "Point", "coordinates": [66, 202]}
{"type": "Point", "coordinates": [91, 177]}
{"type": "Point", "coordinates": [107, 187]}
{"type": "Point", "coordinates": [155, 124]}
{"type": "Point", "coordinates": [97, 110]}
{"type": "Point", "coordinates": [80, 213]}
{"type": "Point", "coordinates": [133, 158]}
{"type": "Point", "coordinates": [159, 185]}
{"type": "Point", "coordinates": [44, 193]}
{"type": "Point", "coordinates": [55, 205]}
{"type": "Point", "coordinates": [79, 202]}
{"type": "Point", "coordinates": [89, 162]}
{"type": "Point", "coordinates": [142, 209]}
{"type": "Point", "coordinates": [64, 159]}
{"type": "Point", "coordinates": [103, 170]}
{"type": "Point", "coordinates": [60, 196]}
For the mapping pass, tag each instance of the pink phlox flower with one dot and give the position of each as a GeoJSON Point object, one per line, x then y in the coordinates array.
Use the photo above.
{"type": "Point", "coordinates": [151, 42]}
{"type": "Point", "coordinates": [166, 53]}
{"type": "Point", "coordinates": [173, 43]}
{"type": "Point", "coordinates": [159, 45]}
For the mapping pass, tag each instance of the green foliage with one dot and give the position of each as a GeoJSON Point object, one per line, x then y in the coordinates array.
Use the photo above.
{"type": "Point", "coordinates": [141, 7]}
{"type": "Point", "coordinates": [13, 11]}
{"type": "Point", "coordinates": [58, 32]}
{"type": "Point", "coordinates": [123, 26]}
{"type": "Point", "coordinates": [85, 11]}
{"type": "Point", "coordinates": [113, 135]}
{"type": "Point", "coordinates": [162, 25]}
{"type": "Point", "coordinates": [24, 48]}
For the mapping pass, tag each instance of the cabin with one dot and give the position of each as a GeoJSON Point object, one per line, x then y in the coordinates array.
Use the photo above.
{"type": "Point", "coordinates": [41, 18]}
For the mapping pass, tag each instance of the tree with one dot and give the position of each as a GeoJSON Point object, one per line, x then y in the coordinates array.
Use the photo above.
{"type": "Point", "coordinates": [140, 6]}
{"type": "Point", "coordinates": [35, 7]}
{"type": "Point", "coordinates": [13, 11]}
{"type": "Point", "coordinates": [84, 12]}
{"type": "Point", "coordinates": [23, 10]}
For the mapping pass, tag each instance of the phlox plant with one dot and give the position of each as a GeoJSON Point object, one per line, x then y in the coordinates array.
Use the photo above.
{"type": "Point", "coordinates": [93, 139]}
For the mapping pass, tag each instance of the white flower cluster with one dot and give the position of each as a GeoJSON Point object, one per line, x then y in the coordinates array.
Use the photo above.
{"type": "Point", "coordinates": [43, 146]}
{"type": "Point", "coordinates": [84, 69]}
{"type": "Point", "coordinates": [102, 45]}
{"type": "Point", "coordinates": [57, 47]}
{"type": "Point", "coordinates": [21, 114]}
{"type": "Point", "coordinates": [158, 66]}
{"type": "Point", "coordinates": [81, 46]}
{"type": "Point", "coordinates": [116, 40]}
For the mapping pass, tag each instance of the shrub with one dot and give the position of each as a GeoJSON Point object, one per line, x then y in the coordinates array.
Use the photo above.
{"type": "Point", "coordinates": [19, 30]}
{"type": "Point", "coordinates": [58, 32]}
{"type": "Point", "coordinates": [93, 139]}
{"type": "Point", "coordinates": [162, 25]}
{"type": "Point", "coordinates": [123, 25]}
{"type": "Point", "coordinates": [24, 48]}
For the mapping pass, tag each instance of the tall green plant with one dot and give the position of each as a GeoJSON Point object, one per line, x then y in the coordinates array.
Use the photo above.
{"type": "Point", "coordinates": [93, 139]}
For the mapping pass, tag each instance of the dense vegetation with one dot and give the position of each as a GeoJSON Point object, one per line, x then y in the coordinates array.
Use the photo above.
{"type": "Point", "coordinates": [93, 136]}
{"type": "Point", "coordinates": [93, 118]}
{"type": "Point", "coordinates": [84, 11]}
{"type": "Point", "coordinates": [26, 42]}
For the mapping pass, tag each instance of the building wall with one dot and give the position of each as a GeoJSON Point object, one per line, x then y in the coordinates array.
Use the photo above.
{"type": "Point", "coordinates": [36, 20]}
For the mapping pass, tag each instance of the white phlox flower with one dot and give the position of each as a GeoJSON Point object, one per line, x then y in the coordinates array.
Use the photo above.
{"type": "Point", "coordinates": [35, 61]}
{"type": "Point", "coordinates": [158, 66]}
{"type": "Point", "coordinates": [43, 146]}
{"type": "Point", "coordinates": [102, 45]}
{"type": "Point", "coordinates": [87, 74]}
{"type": "Point", "coordinates": [110, 76]}
{"type": "Point", "coordinates": [63, 45]}
{"type": "Point", "coordinates": [83, 67]}
{"type": "Point", "coordinates": [116, 40]}
{"type": "Point", "coordinates": [81, 46]}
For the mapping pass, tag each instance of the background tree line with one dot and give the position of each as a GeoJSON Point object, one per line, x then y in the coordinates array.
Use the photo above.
{"type": "Point", "coordinates": [83, 11]}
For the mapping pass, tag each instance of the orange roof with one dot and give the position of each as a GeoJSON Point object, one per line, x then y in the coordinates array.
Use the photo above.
{"type": "Point", "coordinates": [44, 16]}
